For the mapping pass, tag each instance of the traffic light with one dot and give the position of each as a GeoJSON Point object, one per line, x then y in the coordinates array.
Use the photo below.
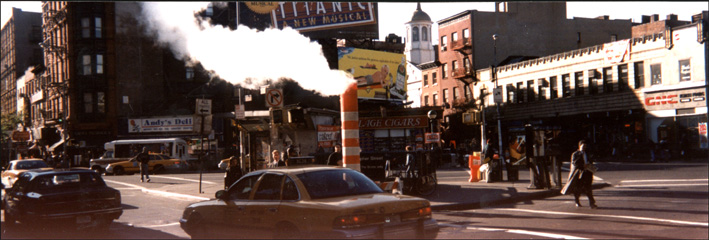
{"type": "Point", "coordinates": [60, 118]}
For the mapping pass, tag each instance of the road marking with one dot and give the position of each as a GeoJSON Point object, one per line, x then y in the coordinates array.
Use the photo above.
{"type": "Point", "coordinates": [664, 180]}
{"type": "Point", "coordinates": [161, 193]}
{"type": "Point", "coordinates": [517, 231]}
{"type": "Point", "coordinates": [184, 179]}
{"type": "Point", "coordinates": [608, 216]}
{"type": "Point", "coordinates": [162, 225]}
{"type": "Point", "coordinates": [663, 185]}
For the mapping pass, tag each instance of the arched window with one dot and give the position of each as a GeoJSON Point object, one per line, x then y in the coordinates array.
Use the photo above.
{"type": "Point", "coordinates": [424, 34]}
{"type": "Point", "coordinates": [415, 34]}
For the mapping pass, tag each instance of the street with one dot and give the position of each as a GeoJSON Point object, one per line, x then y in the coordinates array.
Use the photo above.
{"type": "Point", "coordinates": [644, 200]}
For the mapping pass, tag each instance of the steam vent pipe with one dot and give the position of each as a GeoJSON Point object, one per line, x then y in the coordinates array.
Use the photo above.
{"type": "Point", "coordinates": [350, 127]}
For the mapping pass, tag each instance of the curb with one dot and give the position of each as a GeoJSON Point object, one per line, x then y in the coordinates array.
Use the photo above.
{"type": "Point", "coordinates": [519, 198]}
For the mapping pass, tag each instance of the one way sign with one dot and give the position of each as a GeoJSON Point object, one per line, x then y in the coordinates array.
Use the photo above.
{"type": "Point", "coordinates": [203, 107]}
{"type": "Point", "coordinates": [274, 98]}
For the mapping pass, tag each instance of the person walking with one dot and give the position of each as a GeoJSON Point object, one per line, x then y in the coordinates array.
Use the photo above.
{"type": "Point", "coordinates": [581, 176]}
{"type": "Point", "coordinates": [233, 172]}
{"type": "Point", "coordinates": [142, 158]}
{"type": "Point", "coordinates": [410, 162]}
{"type": "Point", "coordinates": [335, 158]}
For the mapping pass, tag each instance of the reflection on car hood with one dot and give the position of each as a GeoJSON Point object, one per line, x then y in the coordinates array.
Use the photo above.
{"type": "Point", "coordinates": [394, 202]}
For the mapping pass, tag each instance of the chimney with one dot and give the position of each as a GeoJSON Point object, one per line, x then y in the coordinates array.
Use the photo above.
{"type": "Point", "coordinates": [645, 19]}
{"type": "Point", "coordinates": [671, 17]}
{"type": "Point", "coordinates": [655, 17]}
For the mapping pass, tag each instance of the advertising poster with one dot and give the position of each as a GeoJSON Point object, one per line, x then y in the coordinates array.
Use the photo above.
{"type": "Point", "coordinates": [379, 74]}
{"type": "Point", "coordinates": [703, 137]}
{"type": "Point", "coordinates": [309, 16]}
{"type": "Point", "coordinates": [328, 135]}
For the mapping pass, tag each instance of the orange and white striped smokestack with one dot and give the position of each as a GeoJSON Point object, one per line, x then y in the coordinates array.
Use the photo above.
{"type": "Point", "coordinates": [350, 127]}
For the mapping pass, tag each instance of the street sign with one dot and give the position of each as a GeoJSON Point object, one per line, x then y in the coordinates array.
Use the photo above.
{"type": "Point", "coordinates": [497, 93]}
{"type": "Point", "coordinates": [203, 107]}
{"type": "Point", "coordinates": [433, 137]}
{"type": "Point", "coordinates": [239, 112]}
{"type": "Point", "coordinates": [274, 98]}
{"type": "Point", "coordinates": [20, 136]}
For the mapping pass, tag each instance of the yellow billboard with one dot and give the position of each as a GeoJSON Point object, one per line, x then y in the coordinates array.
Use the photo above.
{"type": "Point", "coordinates": [378, 74]}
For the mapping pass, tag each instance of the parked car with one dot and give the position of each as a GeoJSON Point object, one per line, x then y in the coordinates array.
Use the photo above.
{"type": "Point", "coordinates": [65, 198]}
{"type": "Point", "coordinates": [15, 167]}
{"type": "Point", "coordinates": [157, 164]}
{"type": "Point", "coordinates": [309, 202]}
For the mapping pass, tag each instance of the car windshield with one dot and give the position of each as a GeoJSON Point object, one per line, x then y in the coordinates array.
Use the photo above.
{"type": "Point", "coordinates": [337, 183]}
{"type": "Point", "coordinates": [31, 164]}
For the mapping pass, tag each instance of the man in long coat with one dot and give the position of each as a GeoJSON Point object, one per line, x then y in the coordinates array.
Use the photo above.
{"type": "Point", "coordinates": [580, 176]}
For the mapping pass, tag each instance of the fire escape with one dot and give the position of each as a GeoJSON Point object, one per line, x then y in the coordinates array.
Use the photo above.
{"type": "Point", "coordinates": [467, 76]}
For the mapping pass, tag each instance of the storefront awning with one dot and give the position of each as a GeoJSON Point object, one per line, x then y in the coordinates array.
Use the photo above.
{"type": "Point", "coordinates": [59, 144]}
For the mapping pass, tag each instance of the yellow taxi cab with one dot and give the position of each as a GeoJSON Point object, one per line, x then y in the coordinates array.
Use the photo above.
{"type": "Point", "coordinates": [15, 167]}
{"type": "Point", "coordinates": [309, 202]}
{"type": "Point", "coordinates": [157, 163]}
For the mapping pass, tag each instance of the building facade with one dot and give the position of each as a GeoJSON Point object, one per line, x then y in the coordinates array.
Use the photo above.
{"type": "Point", "coordinates": [20, 52]}
{"type": "Point", "coordinates": [625, 97]}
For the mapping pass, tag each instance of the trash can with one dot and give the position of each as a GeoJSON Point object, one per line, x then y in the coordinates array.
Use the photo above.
{"type": "Point", "coordinates": [474, 163]}
{"type": "Point", "coordinates": [512, 170]}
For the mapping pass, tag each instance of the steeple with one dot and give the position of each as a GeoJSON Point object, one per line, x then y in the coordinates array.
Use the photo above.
{"type": "Point", "coordinates": [419, 46]}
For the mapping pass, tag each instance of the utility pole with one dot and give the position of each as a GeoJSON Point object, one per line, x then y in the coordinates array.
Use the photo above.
{"type": "Point", "coordinates": [497, 105]}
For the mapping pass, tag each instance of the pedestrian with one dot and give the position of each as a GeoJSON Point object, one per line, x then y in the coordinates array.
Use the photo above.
{"type": "Point", "coordinates": [276, 160]}
{"type": "Point", "coordinates": [410, 161]}
{"type": "Point", "coordinates": [233, 172]}
{"type": "Point", "coordinates": [142, 158]}
{"type": "Point", "coordinates": [581, 176]}
{"type": "Point", "coordinates": [335, 158]}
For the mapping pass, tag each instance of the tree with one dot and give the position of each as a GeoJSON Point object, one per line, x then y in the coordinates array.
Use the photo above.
{"type": "Point", "coordinates": [9, 122]}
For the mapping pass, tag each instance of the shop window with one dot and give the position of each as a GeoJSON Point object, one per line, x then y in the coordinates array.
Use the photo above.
{"type": "Point", "coordinates": [553, 88]}
{"type": "Point", "coordinates": [543, 86]}
{"type": "Point", "coordinates": [623, 77]}
{"type": "Point", "coordinates": [685, 71]}
{"type": "Point", "coordinates": [578, 83]}
{"type": "Point", "coordinates": [510, 93]}
{"type": "Point", "coordinates": [607, 80]}
{"type": "Point", "coordinates": [520, 92]}
{"type": "Point", "coordinates": [639, 75]}
{"type": "Point", "coordinates": [530, 91]}
{"type": "Point", "coordinates": [656, 74]}
{"type": "Point", "coordinates": [566, 85]}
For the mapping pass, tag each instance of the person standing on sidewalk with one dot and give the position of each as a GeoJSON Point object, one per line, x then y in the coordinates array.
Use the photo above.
{"type": "Point", "coordinates": [142, 158]}
{"type": "Point", "coordinates": [233, 172]}
{"type": "Point", "coordinates": [335, 158]}
{"type": "Point", "coordinates": [581, 176]}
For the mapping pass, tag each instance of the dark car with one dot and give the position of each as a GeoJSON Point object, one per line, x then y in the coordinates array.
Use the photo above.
{"type": "Point", "coordinates": [309, 202]}
{"type": "Point", "coordinates": [74, 198]}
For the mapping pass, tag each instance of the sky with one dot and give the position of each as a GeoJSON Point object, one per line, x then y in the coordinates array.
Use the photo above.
{"type": "Point", "coordinates": [393, 15]}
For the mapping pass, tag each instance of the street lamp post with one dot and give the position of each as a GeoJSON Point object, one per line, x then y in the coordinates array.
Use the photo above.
{"type": "Point", "coordinates": [497, 106]}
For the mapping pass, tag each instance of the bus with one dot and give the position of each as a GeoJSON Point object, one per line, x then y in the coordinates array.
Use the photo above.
{"type": "Point", "coordinates": [173, 147]}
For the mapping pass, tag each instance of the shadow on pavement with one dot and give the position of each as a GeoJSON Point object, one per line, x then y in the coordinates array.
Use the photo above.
{"type": "Point", "coordinates": [116, 231]}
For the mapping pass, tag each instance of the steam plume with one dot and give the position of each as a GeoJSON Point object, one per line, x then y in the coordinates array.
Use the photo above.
{"type": "Point", "coordinates": [245, 57]}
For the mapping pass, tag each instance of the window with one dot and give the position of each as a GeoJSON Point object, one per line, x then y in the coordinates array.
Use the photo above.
{"type": "Point", "coordinates": [88, 103]}
{"type": "Point", "coordinates": [415, 34]}
{"type": "Point", "coordinates": [445, 96]}
{"type": "Point", "coordinates": [444, 43]}
{"type": "Point", "coordinates": [565, 85]}
{"type": "Point", "coordinates": [623, 77]}
{"type": "Point", "coordinates": [639, 75]}
{"type": "Point", "coordinates": [455, 66]}
{"type": "Point", "coordinates": [101, 102]}
{"type": "Point", "coordinates": [468, 95]}
{"type": "Point", "coordinates": [242, 189]}
{"type": "Point", "coordinates": [425, 80]}
{"type": "Point", "coordinates": [435, 100]}
{"type": "Point", "coordinates": [466, 34]}
{"type": "Point", "coordinates": [425, 100]}
{"type": "Point", "coordinates": [530, 91]}
{"type": "Point", "coordinates": [578, 83]}
{"type": "Point", "coordinates": [656, 74]}
{"type": "Point", "coordinates": [99, 63]}
{"type": "Point", "coordinates": [553, 85]}
{"type": "Point", "coordinates": [86, 65]}
{"type": "Point", "coordinates": [210, 10]}
{"type": "Point", "coordinates": [269, 188]}
{"type": "Point", "coordinates": [454, 37]}
{"type": "Point", "coordinates": [189, 73]}
{"type": "Point", "coordinates": [520, 92]}
{"type": "Point", "coordinates": [614, 37]}
{"type": "Point", "coordinates": [685, 71]}
{"type": "Point", "coordinates": [592, 84]}
{"type": "Point", "coordinates": [433, 78]}
{"type": "Point", "coordinates": [510, 93]}
{"type": "Point", "coordinates": [424, 34]}
{"type": "Point", "coordinates": [290, 191]}
{"type": "Point", "coordinates": [444, 74]}
{"type": "Point", "coordinates": [607, 80]}
{"type": "Point", "coordinates": [543, 86]}
{"type": "Point", "coordinates": [85, 28]}
{"type": "Point", "coordinates": [456, 93]}
{"type": "Point", "coordinates": [97, 27]}
{"type": "Point", "coordinates": [466, 65]}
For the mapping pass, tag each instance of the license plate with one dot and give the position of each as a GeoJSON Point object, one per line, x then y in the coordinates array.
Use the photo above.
{"type": "Point", "coordinates": [83, 219]}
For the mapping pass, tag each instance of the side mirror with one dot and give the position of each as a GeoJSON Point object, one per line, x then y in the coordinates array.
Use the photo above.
{"type": "Point", "coordinates": [221, 195]}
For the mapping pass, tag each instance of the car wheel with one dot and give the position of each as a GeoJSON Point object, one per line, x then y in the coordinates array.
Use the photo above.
{"type": "Point", "coordinates": [103, 224]}
{"type": "Point", "coordinates": [426, 185]}
{"type": "Point", "coordinates": [158, 169]}
{"type": "Point", "coordinates": [286, 230]}
{"type": "Point", "coordinates": [119, 170]}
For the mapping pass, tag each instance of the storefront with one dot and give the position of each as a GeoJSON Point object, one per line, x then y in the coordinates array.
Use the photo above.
{"type": "Point", "coordinates": [392, 133]}
{"type": "Point", "coordinates": [674, 120]}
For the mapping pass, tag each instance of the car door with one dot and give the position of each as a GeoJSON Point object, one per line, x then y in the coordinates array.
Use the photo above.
{"type": "Point", "coordinates": [232, 223]}
{"type": "Point", "coordinates": [262, 211]}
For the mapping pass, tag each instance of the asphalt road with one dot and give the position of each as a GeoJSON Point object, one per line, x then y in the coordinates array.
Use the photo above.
{"type": "Point", "coordinates": [645, 200]}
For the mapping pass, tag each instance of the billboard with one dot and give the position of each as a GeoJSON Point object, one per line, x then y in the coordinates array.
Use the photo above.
{"type": "Point", "coordinates": [379, 74]}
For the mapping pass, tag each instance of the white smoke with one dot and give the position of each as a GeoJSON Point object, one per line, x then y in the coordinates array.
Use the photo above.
{"type": "Point", "coordinates": [245, 57]}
